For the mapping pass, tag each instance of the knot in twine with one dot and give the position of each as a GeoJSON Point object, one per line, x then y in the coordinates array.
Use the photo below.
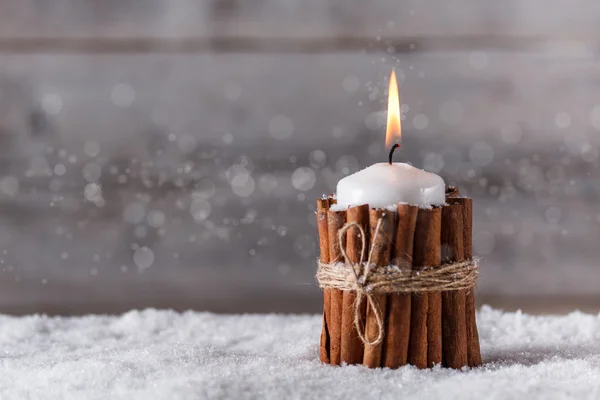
{"type": "Point", "coordinates": [372, 280]}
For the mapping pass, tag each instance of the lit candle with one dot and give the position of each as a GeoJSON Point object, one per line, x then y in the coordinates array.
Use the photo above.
{"type": "Point", "coordinates": [385, 184]}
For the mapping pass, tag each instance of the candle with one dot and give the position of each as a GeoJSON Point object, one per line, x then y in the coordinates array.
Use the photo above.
{"type": "Point", "coordinates": [382, 184]}
{"type": "Point", "coordinates": [385, 184]}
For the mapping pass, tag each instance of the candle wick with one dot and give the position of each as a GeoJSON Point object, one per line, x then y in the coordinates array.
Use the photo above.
{"type": "Point", "coordinates": [392, 152]}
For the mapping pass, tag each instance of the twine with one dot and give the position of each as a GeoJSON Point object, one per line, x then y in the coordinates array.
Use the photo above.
{"type": "Point", "coordinates": [367, 279]}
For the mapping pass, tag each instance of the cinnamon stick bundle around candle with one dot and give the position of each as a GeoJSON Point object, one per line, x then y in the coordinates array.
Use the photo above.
{"type": "Point", "coordinates": [397, 326]}
{"type": "Point", "coordinates": [322, 209]}
{"type": "Point", "coordinates": [421, 327]}
{"type": "Point", "coordinates": [425, 317]}
{"type": "Point", "coordinates": [473, 349]}
{"type": "Point", "coordinates": [351, 345]}
{"type": "Point", "coordinates": [335, 222]}
{"type": "Point", "coordinates": [454, 324]}
{"type": "Point", "coordinates": [382, 231]}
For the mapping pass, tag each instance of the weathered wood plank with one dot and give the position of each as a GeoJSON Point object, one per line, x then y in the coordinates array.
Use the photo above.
{"type": "Point", "coordinates": [118, 98]}
{"type": "Point", "coordinates": [274, 19]}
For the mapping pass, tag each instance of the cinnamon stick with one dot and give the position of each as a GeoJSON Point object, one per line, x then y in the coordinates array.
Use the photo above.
{"type": "Point", "coordinates": [351, 345]}
{"type": "Point", "coordinates": [454, 324]}
{"type": "Point", "coordinates": [434, 310]}
{"type": "Point", "coordinates": [381, 242]}
{"type": "Point", "coordinates": [473, 349]}
{"type": "Point", "coordinates": [426, 312]}
{"type": "Point", "coordinates": [397, 328]}
{"type": "Point", "coordinates": [322, 208]}
{"type": "Point", "coordinates": [335, 222]}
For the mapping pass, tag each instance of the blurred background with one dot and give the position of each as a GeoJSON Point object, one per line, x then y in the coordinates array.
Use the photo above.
{"type": "Point", "coordinates": [169, 153]}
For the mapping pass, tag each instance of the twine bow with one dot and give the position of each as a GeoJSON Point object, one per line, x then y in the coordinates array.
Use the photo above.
{"type": "Point", "coordinates": [362, 281]}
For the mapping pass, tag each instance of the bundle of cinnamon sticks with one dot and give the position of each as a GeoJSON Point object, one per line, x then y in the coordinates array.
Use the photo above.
{"type": "Point", "coordinates": [421, 329]}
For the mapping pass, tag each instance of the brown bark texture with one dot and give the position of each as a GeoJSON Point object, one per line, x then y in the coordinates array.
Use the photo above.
{"type": "Point", "coordinates": [335, 221]}
{"type": "Point", "coordinates": [351, 345]}
{"type": "Point", "coordinates": [454, 324]}
{"type": "Point", "coordinates": [381, 243]}
{"type": "Point", "coordinates": [473, 349]}
{"type": "Point", "coordinates": [397, 327]}
{"type": "Point", "coordinates": [425, 342]}
{"type": "Point", "coordinates": [322, 209]}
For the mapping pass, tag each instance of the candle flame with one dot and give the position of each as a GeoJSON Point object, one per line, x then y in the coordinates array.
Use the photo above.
{"type": "Point", "coordinates": [393, 132]}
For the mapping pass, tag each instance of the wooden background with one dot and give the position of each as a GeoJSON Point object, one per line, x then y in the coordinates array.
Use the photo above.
{"type": "Point", "coordinates": [202, 131]}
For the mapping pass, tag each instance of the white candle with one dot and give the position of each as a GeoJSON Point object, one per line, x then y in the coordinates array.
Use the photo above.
{"type": "Point", "coordinates": [382, 185]}
{"type": "Point", "coordinates": [387, 184]}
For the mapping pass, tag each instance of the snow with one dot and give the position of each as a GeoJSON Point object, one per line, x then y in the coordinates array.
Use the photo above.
{"type": "Point", "coordinates": [167, 355]}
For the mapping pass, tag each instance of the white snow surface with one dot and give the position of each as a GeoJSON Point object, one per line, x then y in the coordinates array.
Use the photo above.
{"type": "Point", "coordinates": [155, 354]}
